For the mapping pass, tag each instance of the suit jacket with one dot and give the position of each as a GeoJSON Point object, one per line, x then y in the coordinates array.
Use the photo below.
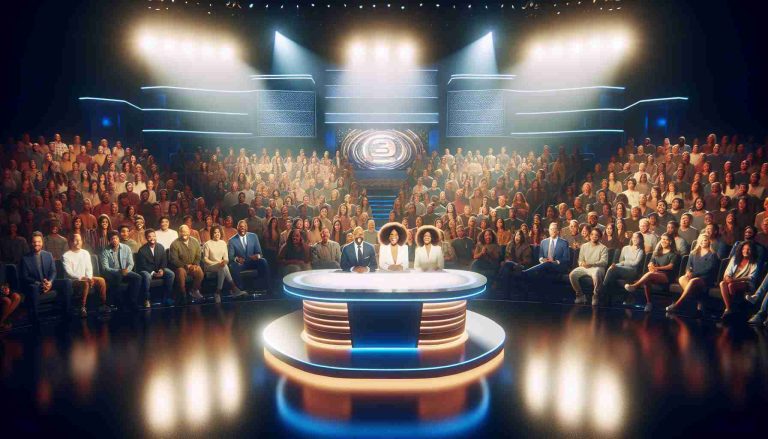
{"type": "Point", "coordinates": [145, 261]}
{"type": "Point", "coordinates": [236, 249]}
{"type": "Point", "coordinates": [111, 264]}
{"type": "Point", "coordinates": [349, 257]}
{"type": "Point", "coordinates": [561, 252]}
{"type": "Point", "coordinates": [29, 273]}
{"type": "Point", "coordinates": [385, 256]}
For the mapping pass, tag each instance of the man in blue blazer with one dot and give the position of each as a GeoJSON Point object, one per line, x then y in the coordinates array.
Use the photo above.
{"type": "Point", "coordinates": [358, 256]}
{"type": "Point", "coordinates": [39, 283]}
{"type": "Point", "coordinates": [245, 254]}
{"type": "Point", "coordinates": [554, 255]}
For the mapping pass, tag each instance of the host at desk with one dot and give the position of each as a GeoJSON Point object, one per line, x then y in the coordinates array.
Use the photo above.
{"type": "Point", "coordinates": [358, 256]}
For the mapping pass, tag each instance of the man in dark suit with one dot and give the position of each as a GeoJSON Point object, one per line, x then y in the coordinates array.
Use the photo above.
{"type": "Point", "coordinates": [554, 255]}
{"type": "Point", "coordinates": [152, 263]}
{"type": "Point", "coordinates": [358, 256]}
{"type": "Point", "coordinates": [39, 283]}
{"type": "Point", "coordinates": [245, 254]}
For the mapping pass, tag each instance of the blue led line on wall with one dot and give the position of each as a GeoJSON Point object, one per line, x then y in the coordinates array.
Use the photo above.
{"type": "Point", "coordinates": [296, 77]}
{"type": "Point", "coordinates": [552, 90]}
{"type": "Point", "coordinates": [642, 101]}
{"type": "Point", "coordinates": [121, 101]}
{"type": "Point", "coordinates": [481, 76]}
{"type": "Point", "coordinates": [196, 132]}
{"type": "Point", "coordinates": [535, 133]}
{"type": "Point", "coordinates": [210, 90]}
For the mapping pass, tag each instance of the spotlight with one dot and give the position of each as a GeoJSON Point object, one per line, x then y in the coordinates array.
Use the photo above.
{"type": "Point", "coordinates": [382, 52]}
{"type": "Point", "coordinates": [574, 48]}
{"type": "Point", "coordinates": [188, 48]}
{"type": "Point", "coordinates": [619, 43]}
{"type": "Point", "coordinates": [227, 53]}
{"type": "Point", "coordinates": [537, 51]}
{"type": "Point", "coordinates": [406, 52]}
{"type": "Point", "coordinates": [169, 44]}
{"type": "Point", "coordinates": [147, 43]}
{"type": "Point", "coordinates": [595, 43]}
{"type": "Point", "coordinates": [357, 52]}
{"type": "Point", "coordinates": [556, 50]}
{"type": "Point", "coordinates": [206, 51]}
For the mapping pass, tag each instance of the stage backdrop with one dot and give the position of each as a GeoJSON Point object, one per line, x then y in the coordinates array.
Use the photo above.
{"type": "Point", "coordinates": [381, 148]}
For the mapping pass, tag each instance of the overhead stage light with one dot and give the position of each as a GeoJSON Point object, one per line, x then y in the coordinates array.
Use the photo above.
{"type": "Point", "coordinates": [382, 52]}
{"type": "Point", "coordinates": [227, 52]}
{"type": "Point", "coordinates": [406, 53]}
{"type": "Point", "coordinates": [619, 43]}
{"type": "Point", "coordinates": [169, 44]}
{"type": "Point", "coordinates": [147, 43]}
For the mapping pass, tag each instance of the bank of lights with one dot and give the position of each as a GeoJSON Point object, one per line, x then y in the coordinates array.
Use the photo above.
{"type": "Point", "coordinates": [362, 53]}
{"type": "Point", "coordinates": [169, 46]}
{"type": "Point", "coordinates": [612, 44]}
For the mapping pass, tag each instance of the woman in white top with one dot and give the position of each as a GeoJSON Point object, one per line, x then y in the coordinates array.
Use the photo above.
{"type": "Point", "coordinates": [393, 253]}
{"type": "Point", "coordinates": [429, 255]}
{"type": "Point", "coordinates": [216, 260]}
{"type": "Point", "coordinates": [633, 196]}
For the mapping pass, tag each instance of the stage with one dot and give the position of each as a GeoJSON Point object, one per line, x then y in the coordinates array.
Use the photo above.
{"type": "Point", "coordinates": [566, 370]}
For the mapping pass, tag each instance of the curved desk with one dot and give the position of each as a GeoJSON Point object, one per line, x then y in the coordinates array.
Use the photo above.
{"type": "Point", "coordinates": [384, 325]}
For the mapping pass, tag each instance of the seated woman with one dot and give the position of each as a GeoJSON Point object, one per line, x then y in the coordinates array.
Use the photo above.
{"type": "Point", "coordinates": [393, 253]}
{"type": "Point", "coordinates": [216, 260]}
{"type": "Point", "coordinates": [630, 262]}
{"type": "Point", "coordinates": [294, 255]}
{"type": "Point", "coordinates": [740, 275]}
{"type": "Point", "coordinates": [517, 257]}
{"type": "Point", "coordinates": [429, 254]}
{"type": "Point", "coordinates": [486, 254]}
{"type": "Point", "coordinates": [659, 269]}
{"type": "Point", "coordinates": [700, 273]}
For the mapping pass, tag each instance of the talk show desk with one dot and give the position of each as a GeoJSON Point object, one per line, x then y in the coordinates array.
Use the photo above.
{"type": "Point", "coordinates": [408, 324]}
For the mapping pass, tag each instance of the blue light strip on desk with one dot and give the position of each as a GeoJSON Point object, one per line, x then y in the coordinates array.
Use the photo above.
{"type": "Point", "coordinates": [405, 297]}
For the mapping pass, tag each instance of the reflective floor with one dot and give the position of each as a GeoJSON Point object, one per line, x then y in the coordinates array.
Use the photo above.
{"type": "Point", "coordinates": [567, 371]}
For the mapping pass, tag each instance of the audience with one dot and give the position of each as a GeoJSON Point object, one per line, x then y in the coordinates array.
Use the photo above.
{"type": "Point", "coordinates": [478, 202]}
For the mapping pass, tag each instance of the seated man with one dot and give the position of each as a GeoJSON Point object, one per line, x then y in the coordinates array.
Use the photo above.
{"type": "Point", "coordinates": [245, 254]}
{"type": "Point", "coordinates": [358, 256]}
{"type": "Point", "coordinates": [184, 257]}
{"type": "Point", "coordinates": [79, 267]}
{"type": "Point", "coordinates": [54, 243]}
{"type": "Point", "coordinates": [38, 277]}
{"type": "Point", "coordinates": [593, 259]}
{"type": "Point", "coordinates": [152, 263]}
{"type": "Point", "coordinates": [117, 265]}
{"type": "Point", "coordinates": [166, 235]}
{"type": "Point", "coordinates": [554, 255]}
{"type": "Point", "coordinates": [125, 238]}
{"type": "Point", "coordinates": [326, 253]}
{"type": "Point", "coordinates": [464, 247]}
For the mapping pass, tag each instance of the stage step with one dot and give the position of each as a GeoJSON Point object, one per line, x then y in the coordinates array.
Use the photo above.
{"type": "Point", "coordinates": [381, 204]}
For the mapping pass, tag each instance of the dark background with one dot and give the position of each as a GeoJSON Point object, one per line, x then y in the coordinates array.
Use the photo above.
{"type": "Point", "coordinates": [55, 51]}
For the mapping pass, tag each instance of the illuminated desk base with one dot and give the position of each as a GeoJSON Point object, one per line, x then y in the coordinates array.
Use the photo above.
{"type": "Point", "coordinates": [394, 369]}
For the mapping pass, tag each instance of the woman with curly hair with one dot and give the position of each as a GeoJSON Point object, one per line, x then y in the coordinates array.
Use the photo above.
{"type": "Point", "coordinates": [393, 253]}
{"type": "Point", "coordinates": [429, 254]}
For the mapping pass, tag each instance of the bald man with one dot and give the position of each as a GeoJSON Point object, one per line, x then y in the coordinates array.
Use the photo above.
{"type": "Point", "coordinates": [358, 256]}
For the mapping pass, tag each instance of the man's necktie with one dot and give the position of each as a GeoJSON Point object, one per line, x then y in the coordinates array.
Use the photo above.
{"type": "Point", "coordinates": [551, 248]}
{"type": "Point", "coordinates": [359, 255]}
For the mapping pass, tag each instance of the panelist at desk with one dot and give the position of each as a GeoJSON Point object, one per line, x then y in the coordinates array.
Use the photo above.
{"type": "Point", "coordinates": [358, 256]}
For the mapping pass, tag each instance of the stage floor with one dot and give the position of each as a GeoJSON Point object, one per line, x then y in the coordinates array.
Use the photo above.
{"type": "Point", "coordinates": [567, 370]}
